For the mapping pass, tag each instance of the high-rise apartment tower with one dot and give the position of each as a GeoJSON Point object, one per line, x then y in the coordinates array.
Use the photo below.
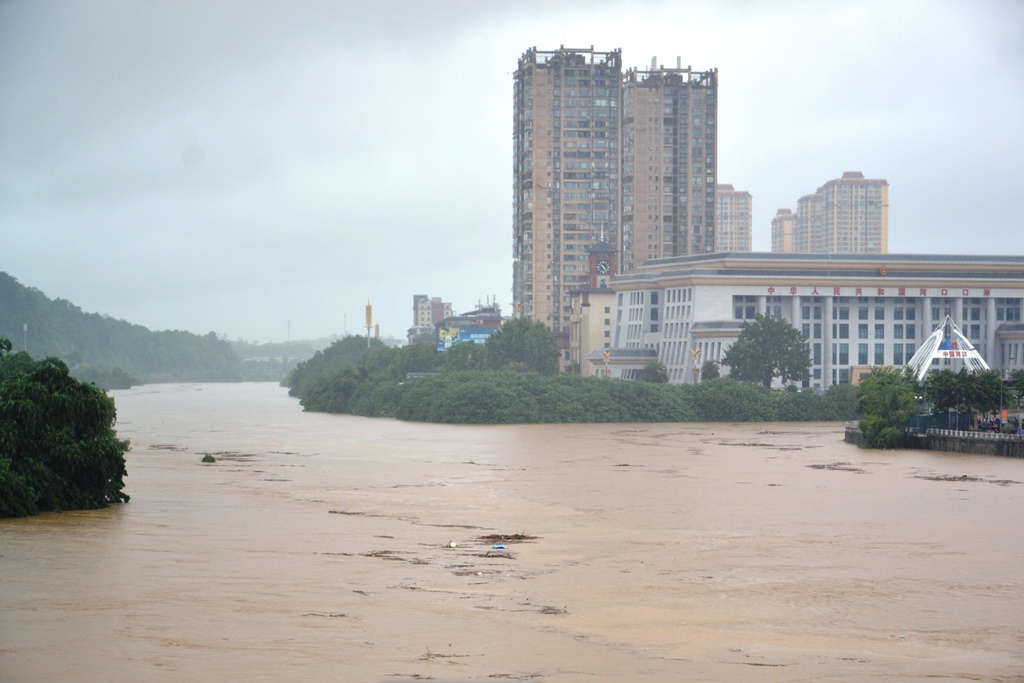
{"type": "Point", "coordinates": [733, 219]}
{"type": "Point", "coordinates": [669, 163]}
{"type": "Point", "coordinates": [848, 215]}
{"type": "Point", "coordinates": [566, 174]}
{"type": "Point", "coordinates": [782, 231]}
{"type": "Point", "coordinates": [630, 159]}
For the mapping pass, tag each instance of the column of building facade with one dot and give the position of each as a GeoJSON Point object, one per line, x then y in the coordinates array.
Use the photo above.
{"type": "Point", "coordinates": [990, 335]}
{"type": "Point", "coordinates": [826, 351]}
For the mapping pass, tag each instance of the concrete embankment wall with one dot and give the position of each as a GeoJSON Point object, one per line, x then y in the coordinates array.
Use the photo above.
{"type": "Point", "coordinates": [981, 443]}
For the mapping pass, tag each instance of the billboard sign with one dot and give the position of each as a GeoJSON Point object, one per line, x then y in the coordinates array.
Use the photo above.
{"type": "Point", "coordinates": [450, 336]}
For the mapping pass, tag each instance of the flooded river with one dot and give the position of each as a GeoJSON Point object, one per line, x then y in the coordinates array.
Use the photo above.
{"type": "Point", "coordinates": [335, 548]}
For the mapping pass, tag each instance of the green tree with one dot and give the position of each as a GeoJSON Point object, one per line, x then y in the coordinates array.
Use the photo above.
{"type": "Point", "coordinates": [768, 348]}
{"type": "Point", "coordinates": [523, 343]}
{"type": "Point", "coordinates": [709, 370]}
{"type": "Point", "coordinates": [887, 401]}
{"type": "Point", "coordinates": [728, 400]}
{"type": "Point", "coordinates": [944, 389]}
{"type": "Point", "coordinates": [1018, 385]}
{"type": "Point", "coordinates": [842, 399]}
{"type": "Point", "coordinates": [655, 372]}
{"type": "Point", "coordinates": [58, 448]}
{"type": "Point", "coordinates": [465, 356]}
{"type": "Point", "coordinates": [984, 391]}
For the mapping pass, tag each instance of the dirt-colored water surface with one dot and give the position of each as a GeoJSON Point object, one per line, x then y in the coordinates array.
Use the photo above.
{"type": "Point", "coordinates": [335, 548]}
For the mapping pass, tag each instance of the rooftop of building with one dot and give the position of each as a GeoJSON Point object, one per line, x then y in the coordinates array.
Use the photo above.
{"type": "Point", "coordinates": [883, 266]}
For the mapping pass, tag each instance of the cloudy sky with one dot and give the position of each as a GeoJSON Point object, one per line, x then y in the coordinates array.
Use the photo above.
{"type": "Point", "coordinates": [262, 169]}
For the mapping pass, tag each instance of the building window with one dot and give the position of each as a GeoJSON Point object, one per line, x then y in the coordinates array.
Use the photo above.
{"type": "Point", "coordinates": [897, 331]}
{"type": "Point", "coordinates": [862, 331]}
{"type": "Point", "coordinates": [897, 354]}
{"type": "Point", "coordinates": [862, 313]}
{"type": "Point", "coordinates": [862, 354]}
{"type": "Point", "coordinates": [844, 354]}
{"type": "Point", "coordinates": [879, 312]}
{"type": "Point", "coordinates": [744, 307]}
{"type": "Point", "coordinates": [879, 354]}
{"type": "Point", "coordinates": [879, 331]}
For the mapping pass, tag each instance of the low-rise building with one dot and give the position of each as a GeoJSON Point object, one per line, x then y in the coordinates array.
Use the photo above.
{"type": "Point", "coordinates": [854, 310]}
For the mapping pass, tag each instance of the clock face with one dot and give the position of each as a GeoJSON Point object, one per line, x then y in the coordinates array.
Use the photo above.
{"type": "Point", "coordinates": [604, 267]}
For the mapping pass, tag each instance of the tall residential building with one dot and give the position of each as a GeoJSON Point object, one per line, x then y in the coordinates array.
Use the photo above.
{"type": "Point", "coordinates": [782, 232]}
{"type": "Point", "coordinates": [849, 215]}
{"type": "Point", "coordinates": [586, 135]}
{"type": "Point", "coordinates": [733, 219]}
{"type": "Point", "coordinates": [804, 222]}
{"type": "Point", "coordinates": [428, 311]}
{"type": "Point", "coordinates": [565, 175]}
{"type": "Point", "coordinates": [669, 163]}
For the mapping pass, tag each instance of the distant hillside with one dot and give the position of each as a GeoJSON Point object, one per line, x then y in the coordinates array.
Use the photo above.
{"type": "Point", "coordinates": [96, 346]}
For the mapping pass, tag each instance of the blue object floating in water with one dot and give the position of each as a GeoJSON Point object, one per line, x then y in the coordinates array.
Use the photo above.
{"type": "Point", "coordinates": [498, 546]}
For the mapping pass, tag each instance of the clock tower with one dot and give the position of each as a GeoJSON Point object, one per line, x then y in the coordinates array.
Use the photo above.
{"type": "Point", "coordinates": [602, 264]}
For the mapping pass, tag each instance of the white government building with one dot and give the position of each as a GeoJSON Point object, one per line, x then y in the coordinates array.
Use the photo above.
{"type": "Point", "coordinates": [855, 310]}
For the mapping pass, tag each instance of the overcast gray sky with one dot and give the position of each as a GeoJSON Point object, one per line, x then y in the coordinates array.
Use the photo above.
{"type": "Point", "coordinates": [235, 166]}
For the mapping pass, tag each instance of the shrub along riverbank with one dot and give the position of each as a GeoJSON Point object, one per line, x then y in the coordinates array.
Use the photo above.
{"type": "Point", "coordinates": [516, 382]}
{"type": "Point", "coordinates": [482, 397]}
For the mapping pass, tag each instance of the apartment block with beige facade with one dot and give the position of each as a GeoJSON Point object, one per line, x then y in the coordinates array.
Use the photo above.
{"type": "Point", "coordinates": [566, 174]}
{"type": "Point", "coordinates": [733, 219]}
{"type": "Point", "coordinates": [848, 215]}
{"type": "Point", "coordinates": [669, 163]}
{"type": "Point", "coordinates": [427, 312]}
{"type": "Point", "coordinates": [782, 232]}
{"type": "Point", "coordinates": [630, 159]}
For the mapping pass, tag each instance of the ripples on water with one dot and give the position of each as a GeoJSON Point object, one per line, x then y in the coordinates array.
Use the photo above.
{"type": "Point", "coordinates": [325, 547]}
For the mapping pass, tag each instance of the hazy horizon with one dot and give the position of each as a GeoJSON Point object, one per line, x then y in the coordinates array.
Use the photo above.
{"type": "Point", "coordinates": [262, 170]}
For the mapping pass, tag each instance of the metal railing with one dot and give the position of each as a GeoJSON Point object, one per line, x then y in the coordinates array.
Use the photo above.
{"type": "Point", "coordinates": [983, 435]}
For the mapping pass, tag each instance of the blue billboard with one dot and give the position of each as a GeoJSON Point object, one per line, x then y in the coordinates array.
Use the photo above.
{"type": "Point", "coordinates": [450, 336]}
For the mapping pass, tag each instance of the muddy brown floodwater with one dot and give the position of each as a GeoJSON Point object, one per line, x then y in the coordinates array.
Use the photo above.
{"type": "Point", "coordinates": [337, 548]}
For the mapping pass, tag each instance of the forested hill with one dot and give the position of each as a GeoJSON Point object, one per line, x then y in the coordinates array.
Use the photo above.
{"type": "Point", "coordinates": [98, 347]}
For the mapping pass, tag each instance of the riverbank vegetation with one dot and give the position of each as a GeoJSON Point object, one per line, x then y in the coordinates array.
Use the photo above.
{"type": "Point", "coordinates": [58, 447]}
{"type": "Point", "coordinates": [502, 383]}
{"type": "Point", "coordinates": [890, 400]}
